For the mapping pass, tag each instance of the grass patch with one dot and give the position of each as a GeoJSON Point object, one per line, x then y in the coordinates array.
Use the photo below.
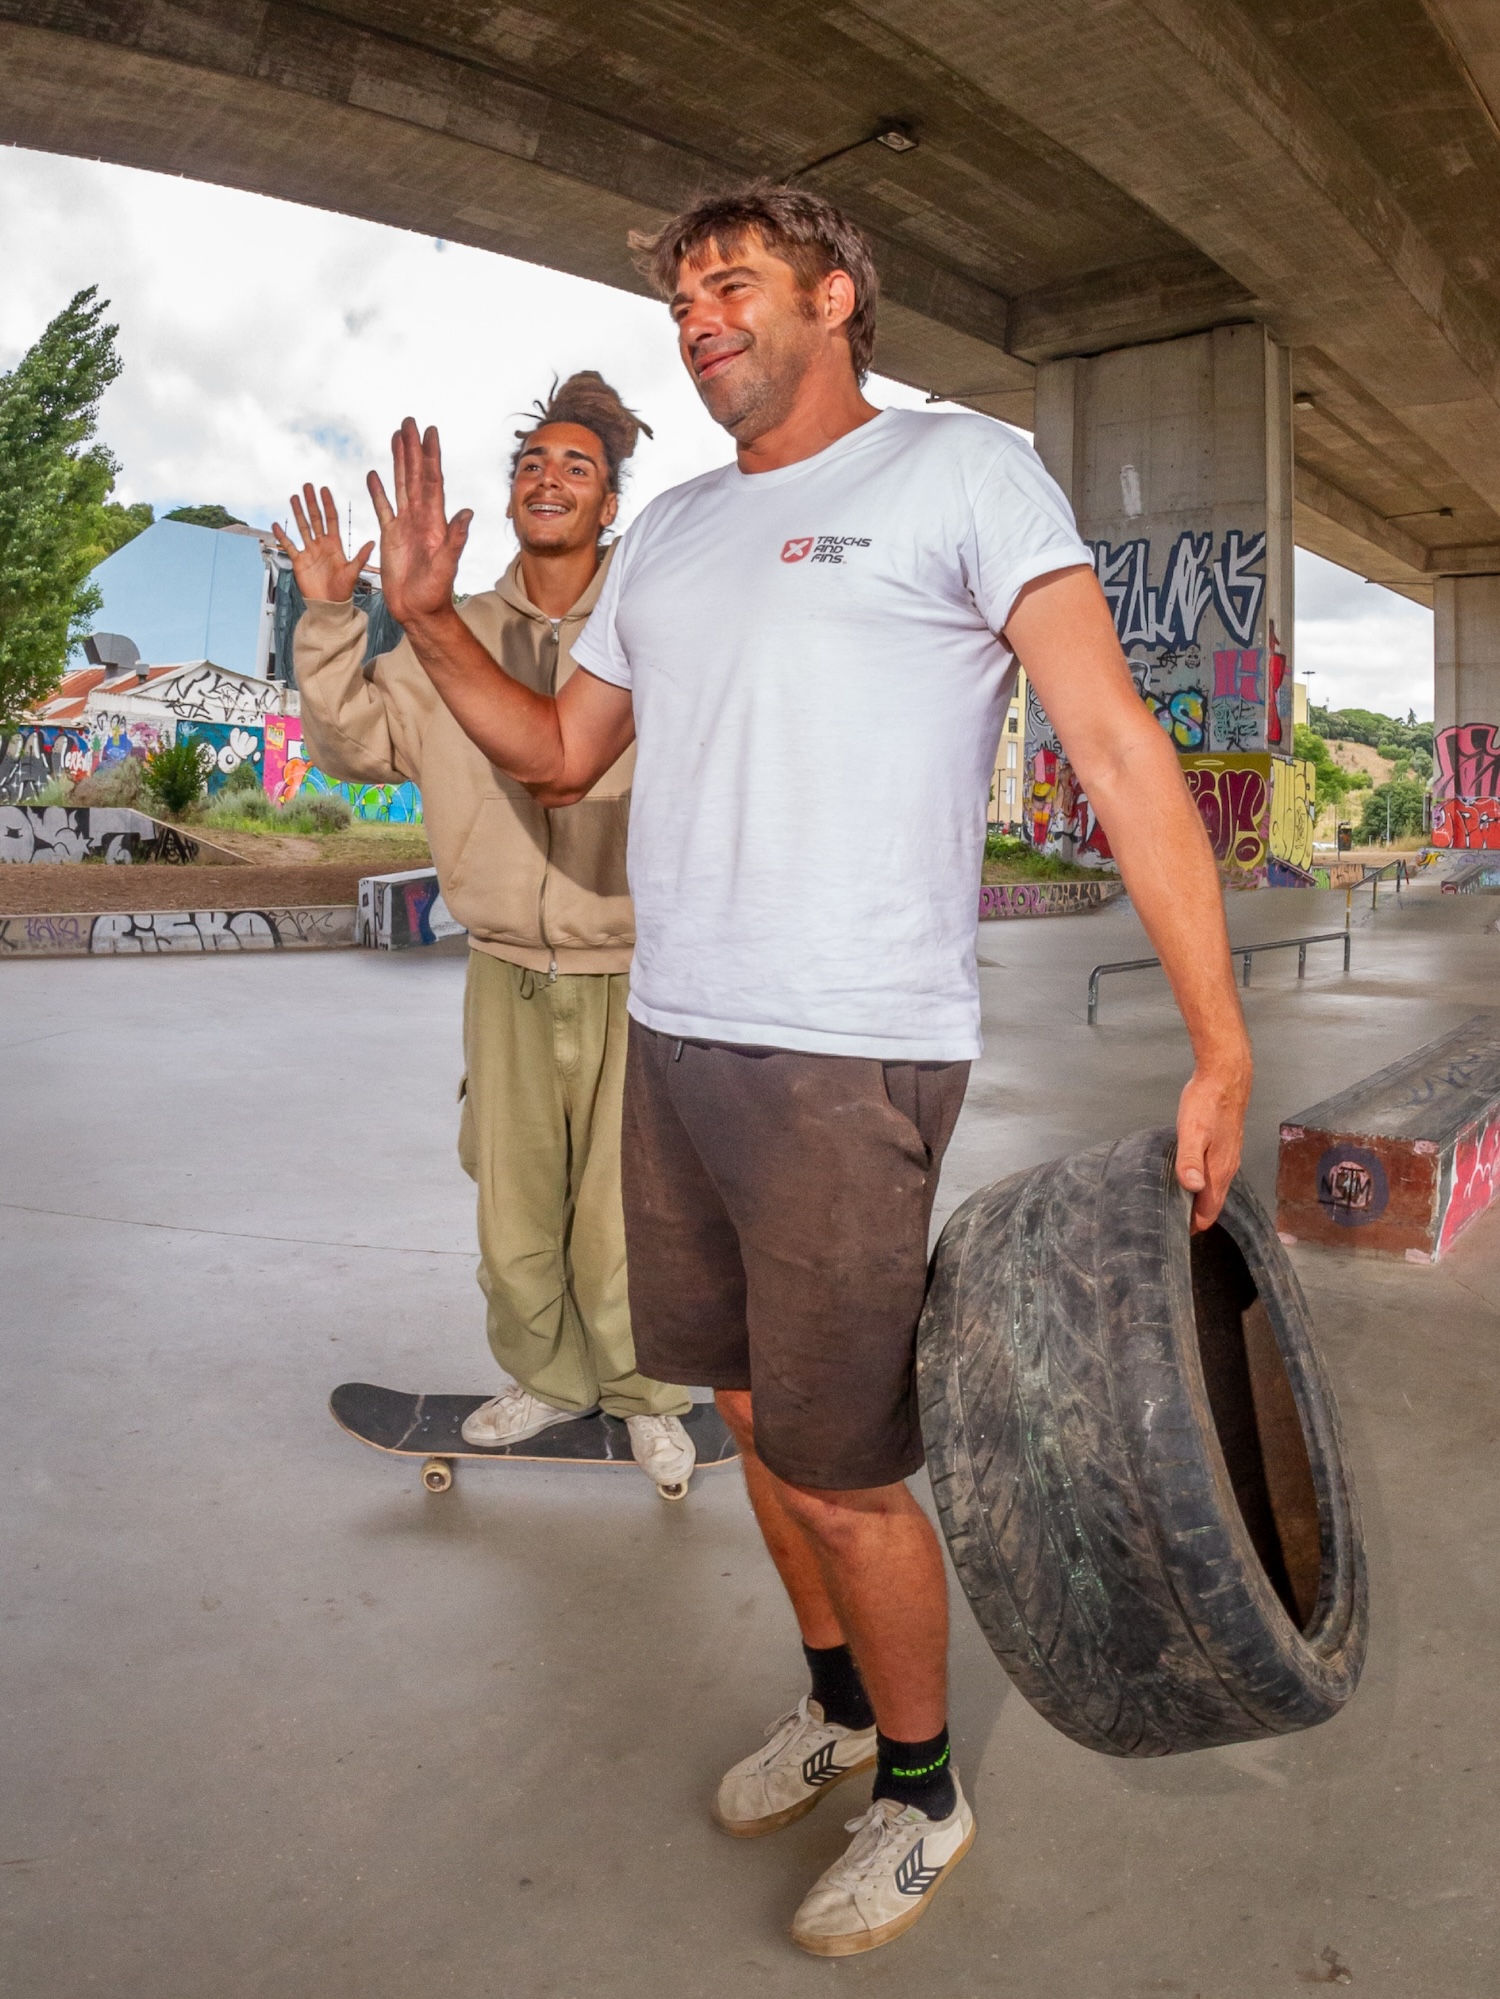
{"type": "Point", "coordinates": [1010, 860]}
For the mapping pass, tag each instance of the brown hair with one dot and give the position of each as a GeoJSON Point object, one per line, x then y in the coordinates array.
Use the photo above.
{"type": "Point", "coordinates": [802, 229]}
{"type": "Point", "coordinates": [587, 400]}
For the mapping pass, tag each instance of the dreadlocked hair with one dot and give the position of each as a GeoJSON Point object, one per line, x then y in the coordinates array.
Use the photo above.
{"type": "Point", "coordinates": [587, 400]}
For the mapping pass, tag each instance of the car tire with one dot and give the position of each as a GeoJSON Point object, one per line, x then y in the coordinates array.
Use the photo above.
{"type": "Point", "coordinates": [1137, 1460]}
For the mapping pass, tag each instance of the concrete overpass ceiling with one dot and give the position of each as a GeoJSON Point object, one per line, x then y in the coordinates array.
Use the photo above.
{"type": "Point", "coordinates": [1090, 174]}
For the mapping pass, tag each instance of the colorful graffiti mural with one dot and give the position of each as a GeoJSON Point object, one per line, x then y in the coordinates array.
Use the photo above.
{"type": "Point", "coordinates": [400, 804]}
{"type": "Point", "coordinates": [1474, 1180]}
{"type": "Point", "coordinates": [1233, 797]}
{"type": "Point", "coordinates": [1294, 807]}
{"type": "Point", "coordinates": [222, 748]}
{"type": "Point", "coordinates": [1462, 822]}
{"type": "Point", "coordinates": [32, 757]}
{"type": "Point", "coordinates": [1467, 761]}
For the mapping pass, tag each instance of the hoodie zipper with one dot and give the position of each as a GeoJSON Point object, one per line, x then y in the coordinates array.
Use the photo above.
{"type": "Point", "coordinates": [541, 901]}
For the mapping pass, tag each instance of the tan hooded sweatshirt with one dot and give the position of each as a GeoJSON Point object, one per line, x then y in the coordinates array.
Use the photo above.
{"type": "Point", "coordinates": [540, 888]}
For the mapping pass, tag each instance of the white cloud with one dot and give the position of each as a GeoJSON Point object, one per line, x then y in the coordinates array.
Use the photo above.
{"type": "Point", "coordinates": [266, 343]}
{"type": "Point", "coordinates": [1361, 646]}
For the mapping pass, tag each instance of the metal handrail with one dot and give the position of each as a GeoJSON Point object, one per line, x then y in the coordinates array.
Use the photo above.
{"type": "Point", "coordinates": [1243, 951]}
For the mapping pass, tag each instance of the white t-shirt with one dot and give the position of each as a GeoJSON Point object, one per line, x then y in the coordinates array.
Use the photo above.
{"type": "Point", "coordinates": [818, 691]}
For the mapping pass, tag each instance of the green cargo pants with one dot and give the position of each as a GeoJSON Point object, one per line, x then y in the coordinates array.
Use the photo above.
{"type": "Point", "coordinates": [540, 1133]}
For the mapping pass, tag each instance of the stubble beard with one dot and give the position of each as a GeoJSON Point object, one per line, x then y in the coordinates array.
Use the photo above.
{"type": "Point", "coordinates": [757, 394]}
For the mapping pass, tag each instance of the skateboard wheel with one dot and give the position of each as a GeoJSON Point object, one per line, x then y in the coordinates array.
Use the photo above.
{"type": "Point", "coordinates": [678, 1491]}
{"type": "Point", "coordinates": [437, 1474]}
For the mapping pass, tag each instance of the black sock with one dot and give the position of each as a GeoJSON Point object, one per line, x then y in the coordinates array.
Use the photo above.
{"type": "Point", "coordinates": [916, 1773]}
{"type": "Point", "coordinates": [837, 1687]}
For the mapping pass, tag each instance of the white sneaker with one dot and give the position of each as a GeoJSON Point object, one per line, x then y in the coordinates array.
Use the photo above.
{"type": "Point", "coordinates": [664, 1451]}
{"type": "Point", "coordinates": [804, 1756]}
{"type": "Point", "coordinates": [512, 1417]}
{"type": "Point", "coordinates": [886, 1879]}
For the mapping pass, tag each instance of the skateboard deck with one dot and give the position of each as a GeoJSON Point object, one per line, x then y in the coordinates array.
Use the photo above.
{"type": "Point", "coordinates": [430, 1427]}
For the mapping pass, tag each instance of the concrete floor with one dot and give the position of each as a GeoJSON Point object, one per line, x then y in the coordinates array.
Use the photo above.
{"type": "Point", "coordinates": [278, 1722]}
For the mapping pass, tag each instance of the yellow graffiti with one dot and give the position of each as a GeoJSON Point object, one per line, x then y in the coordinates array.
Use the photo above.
{"type": "Point", "coordinates": [1294, 807]}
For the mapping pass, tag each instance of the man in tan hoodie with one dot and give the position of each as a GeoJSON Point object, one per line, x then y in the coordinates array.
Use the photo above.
{"type": "Point", "coordinates": [543, 895]}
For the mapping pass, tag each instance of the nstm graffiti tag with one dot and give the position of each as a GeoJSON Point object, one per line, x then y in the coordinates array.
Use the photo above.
{"type": "Point", "coordinates": [1353, 1190]}
{"type": "Point", "coordinates": [822, 547]}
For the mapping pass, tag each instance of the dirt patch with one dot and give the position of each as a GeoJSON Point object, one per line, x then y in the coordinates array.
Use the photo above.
{"type": "Point", "coordinates": [79, 887]}
{"type": "Point", "coordinates": [374, 852]}
{"type": "Point", "coordinates": [1359, 757]}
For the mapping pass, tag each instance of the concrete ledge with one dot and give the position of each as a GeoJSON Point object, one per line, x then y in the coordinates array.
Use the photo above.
{"type": "Point", "coordinates": [178, 932]}
{"type": "Point", "coordinates": [400, 912]}
{"type": "Point", "coordinates": [1000, 901]}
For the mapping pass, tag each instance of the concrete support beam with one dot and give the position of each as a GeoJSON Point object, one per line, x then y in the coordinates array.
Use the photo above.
{"type": "Point", "coordinates": [1178, 460]}
{"type": "Point", "coordinates": [1466, 739]}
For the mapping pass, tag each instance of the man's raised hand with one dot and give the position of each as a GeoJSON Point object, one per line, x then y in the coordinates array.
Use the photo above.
{"type": "Point", "coordinates": [324, 574]}
{"type": "Point", "coordinates": [419, 546]}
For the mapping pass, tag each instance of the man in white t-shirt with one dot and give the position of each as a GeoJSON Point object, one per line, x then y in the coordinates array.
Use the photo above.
{"type": "Point", "coordinates": [814, 649]}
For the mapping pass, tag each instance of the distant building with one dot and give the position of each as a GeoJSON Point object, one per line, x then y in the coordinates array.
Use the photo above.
{"type": "Point", "coordinates": [189, 593]}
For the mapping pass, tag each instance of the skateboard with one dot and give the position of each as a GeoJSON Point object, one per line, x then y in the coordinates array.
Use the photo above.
{"type": "Point", "coordinates": [430, 1427]}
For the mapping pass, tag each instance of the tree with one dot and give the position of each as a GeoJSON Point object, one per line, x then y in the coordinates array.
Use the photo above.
{"type": "Point", "coordinates": [213, 516]}
{"type": "Point", "coordinates": [1403, 796]}
{"type": "Point", "coordinates": [54, 482]}
{"type": "Point", "coordinates": [1331, 781]}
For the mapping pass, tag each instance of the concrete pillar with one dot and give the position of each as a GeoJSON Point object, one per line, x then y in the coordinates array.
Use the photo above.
{"type": "Point", "coordinates": [1178, 460]}
{"type": "Point", "coordinates": [1466, 736]}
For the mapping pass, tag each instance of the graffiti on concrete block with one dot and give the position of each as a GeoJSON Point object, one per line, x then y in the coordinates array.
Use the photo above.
{"type": "Point", "coordinates": [1294, 807]}
{"type": "Point", "coordinates": [1467, 761]}
{"type": "Point", "coordinates": [1192, 581]}
{"type": "Point", "coordinates": [1475, 1181]}
{"type": "Point", "coordinates": [1000, 900]}
{"type": "Point", "coordinates": [1060, 818]}
{"type": "Point", "coordinates": [176, 932]}
{"type": "Point", "coordinates": [1462, 822]}
{"type": "Point", "coordinates": [1233, 797]}
{"type": "Point", "coordinates": [1278, 697]}
{"type": "Point", "coordinates": [1180, 715]}
{"type": "Point", "coordinates": [32, 833]}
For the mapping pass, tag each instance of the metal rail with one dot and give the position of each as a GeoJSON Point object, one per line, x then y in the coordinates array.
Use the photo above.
{"type": "Point", "coordinates": [1244, 952]}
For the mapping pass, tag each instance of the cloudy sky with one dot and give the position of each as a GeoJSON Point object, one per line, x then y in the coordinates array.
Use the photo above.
{"type": "Point", "coordinates": [265, 344]}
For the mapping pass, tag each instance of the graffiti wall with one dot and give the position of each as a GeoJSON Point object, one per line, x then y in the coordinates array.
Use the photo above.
{"type": "Point", "coordinates": [32, 833]}
{"type": "Point", "coordinates": [1466, 787]}
{"type": "Point", "coordinates": [116, 734]}
{"type": "Point", "coordinates": [223, 747]}
{"type": "Point", "coordinates": [1463, 822]}
{"type": "Point", "coordinates": [1212, 670]}
{"type": "Point", "coordinates": [205, 693]}
{"type": "Point", "coordinates": [176, 932]}
{"type": "Point", "coordinates": [1294, 807]}
{"type": "Point", "coordinates": [1233, 797]}
{"type": "Point", "coordinates": [400, 804]}
{"type": "Point", "coordinates": [1001, 900]}
{"type": "Point", "coordinates": [34, 756]}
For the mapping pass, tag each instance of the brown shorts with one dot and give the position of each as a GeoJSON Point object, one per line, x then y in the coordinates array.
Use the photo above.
{"type": "Point", "coordinates": [776, 1216]}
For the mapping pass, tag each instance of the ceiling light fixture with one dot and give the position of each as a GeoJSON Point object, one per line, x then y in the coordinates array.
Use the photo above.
{"type": "Point", "coordinates": [891, 133]}
{"type": "Point", "coordinates": [1303, 401]}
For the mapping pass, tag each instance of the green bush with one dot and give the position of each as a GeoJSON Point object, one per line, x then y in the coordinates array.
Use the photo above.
{"type": "Point", "coordinates": [119, 783]}
{"type": "Point", "coordinates": [236, 808]}
{"type": "Point", "coordinates": [173, 776]}
{"type": "Point", "coordinates": [244, 777]}
{"type": "Point", "coordinates": [329, 811]}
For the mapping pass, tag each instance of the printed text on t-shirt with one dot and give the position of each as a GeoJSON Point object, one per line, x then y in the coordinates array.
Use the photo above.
{"type": "Point", "coordinates": [822, 547]}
